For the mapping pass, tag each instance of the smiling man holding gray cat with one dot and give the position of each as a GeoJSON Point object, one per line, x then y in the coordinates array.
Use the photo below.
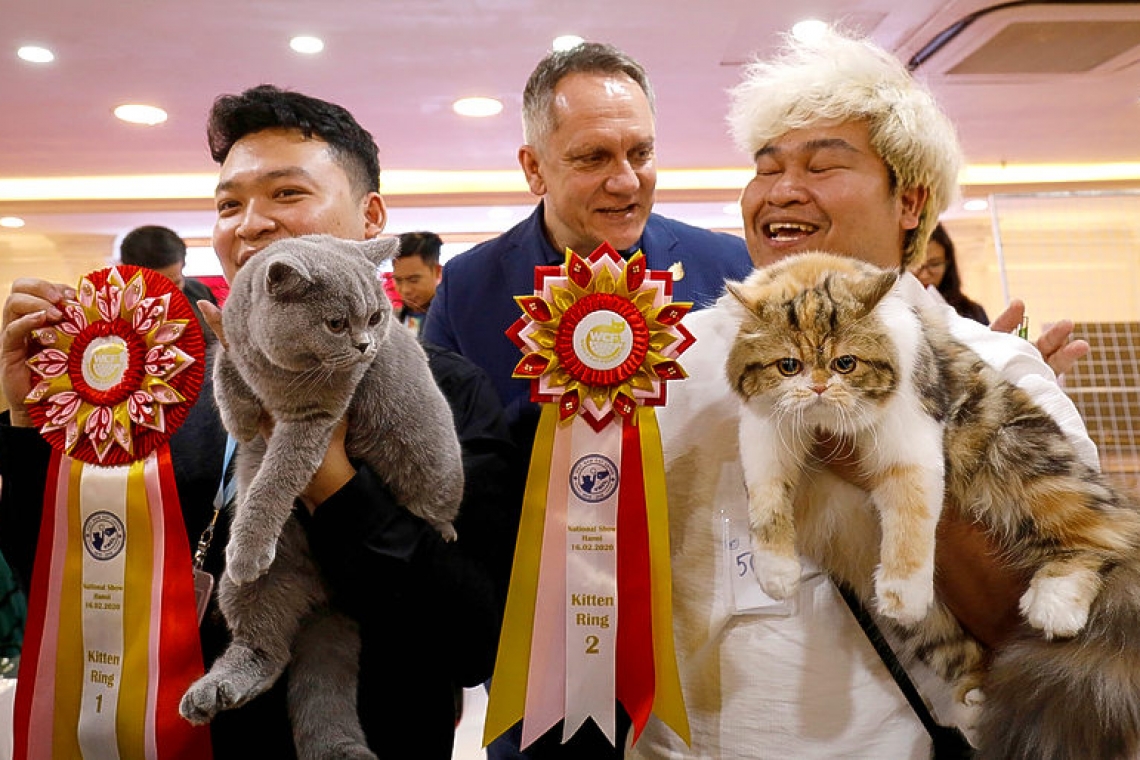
{"type": "Point", "coordinates": [429, 611]}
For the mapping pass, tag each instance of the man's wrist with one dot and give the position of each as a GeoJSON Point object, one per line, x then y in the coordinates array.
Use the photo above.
{"type": "Point", "coordinates": [330, 478]}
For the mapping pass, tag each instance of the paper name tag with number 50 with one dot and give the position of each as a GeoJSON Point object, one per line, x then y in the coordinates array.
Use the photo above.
{"type": "Point", "coordinates": [746, 596]}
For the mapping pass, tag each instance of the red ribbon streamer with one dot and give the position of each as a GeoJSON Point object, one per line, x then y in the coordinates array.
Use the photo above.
{"type": "Point", "coordinates": [634, 682]}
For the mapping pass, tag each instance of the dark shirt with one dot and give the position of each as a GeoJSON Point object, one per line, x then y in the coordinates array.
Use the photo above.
{"type": "Point", "coordinates": [429, 611]}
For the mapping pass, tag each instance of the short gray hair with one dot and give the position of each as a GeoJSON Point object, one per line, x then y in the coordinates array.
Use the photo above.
{"type": "Point", "coordinates": [585, 58]}
{"type": "Point", "coordinates": [843, 78]}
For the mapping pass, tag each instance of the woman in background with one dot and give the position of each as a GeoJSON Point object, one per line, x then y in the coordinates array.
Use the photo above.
{"type": "Point", "coordinates": [941, 270]}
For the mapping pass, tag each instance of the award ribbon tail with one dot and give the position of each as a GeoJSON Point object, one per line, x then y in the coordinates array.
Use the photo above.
{"type": "Point", "coordinates": [32, 713]}
{"type": "Point", "coordinates": [669, 702]}
{"type": "Point", "coordinates": [635, 683]}
{"type": "Point", "coordinates": [507, 699]}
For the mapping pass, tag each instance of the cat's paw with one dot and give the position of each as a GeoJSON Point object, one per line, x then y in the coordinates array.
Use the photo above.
{"type": "Point", "coordinates": [1057, 605]}
{"type": "Point", "coordinates": [904, 600]}
{"type": "Point", "coordinates": [967, 711]}
{"type": "Point", "coordinates": [246, 566]}
{"type": "Point", "coordinates": [207, 697]}
{"type": "Point", "coordinates": [777, 574]}
{"type": "Point", "coordinates": [447, 530]}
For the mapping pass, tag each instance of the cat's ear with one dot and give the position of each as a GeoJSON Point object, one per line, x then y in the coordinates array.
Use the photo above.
{"type": "Point", "coordinates": [736, 299]}
{"type": "Point", "coordinates": [285, 278]}
{"type": "Point", "coordinates": [378, 249]}
{"type": "Point", "coordinates": [871, 289]}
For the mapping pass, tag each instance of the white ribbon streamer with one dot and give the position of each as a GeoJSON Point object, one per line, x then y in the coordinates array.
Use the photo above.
{"type": "Point", "coordinates": [103, 519]}
{"type": "Point", "coordinates": [591, 577]}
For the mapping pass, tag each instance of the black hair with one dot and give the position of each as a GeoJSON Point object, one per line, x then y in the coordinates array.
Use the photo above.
{"type": "Point", "coordinates": [951, 285]}
{"type": "Point", "coordinates": [233, 117]}
{"type": "Point", "coordinates": [152, 247]}
{"type": "Point", "coordinates": [426, 245]}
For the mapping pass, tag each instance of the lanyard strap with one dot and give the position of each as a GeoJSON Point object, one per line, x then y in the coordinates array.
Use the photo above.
{"type": "Point", "coordinates": [227, 487]}
{"type": "Point", "coordinates": [949, 741]}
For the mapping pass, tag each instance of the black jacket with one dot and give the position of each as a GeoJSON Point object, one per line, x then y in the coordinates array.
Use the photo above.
{"type": "Point", "coordinates": [429, 611]}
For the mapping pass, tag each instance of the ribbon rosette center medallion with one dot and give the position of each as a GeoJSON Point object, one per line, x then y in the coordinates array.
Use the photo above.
{"type": "Point", "coordinates": [589, 619]}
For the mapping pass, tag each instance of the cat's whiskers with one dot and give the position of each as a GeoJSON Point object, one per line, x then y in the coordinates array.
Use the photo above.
{"type": "Point", "coordinates": [309, 380]}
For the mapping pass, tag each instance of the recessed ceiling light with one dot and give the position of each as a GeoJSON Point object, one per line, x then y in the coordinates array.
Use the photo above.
{"type": "Point", "coordinates": [976, 204]}
{"type": "Point", "coordinates": [13, 222]}
{"type": "Point", "coordinates": [307, 45]}
{"type": "Point", "coordinates": [566, 42]}
{"type": "Point", "coordinates": [477, 106]}
{"type": "Point", "coordinates": [36, 54]}
{"type": "Point", "coordinates": [808, 30]}
{"type": "Point", "coordinates": [140, 114]}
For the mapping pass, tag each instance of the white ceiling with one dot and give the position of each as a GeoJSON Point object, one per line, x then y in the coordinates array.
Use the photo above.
{"type": "Point", "coordinates": [398, 65]}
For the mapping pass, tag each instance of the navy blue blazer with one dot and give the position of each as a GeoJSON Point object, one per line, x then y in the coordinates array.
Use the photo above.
{"type": "Point", "coordinates": [474, 304]}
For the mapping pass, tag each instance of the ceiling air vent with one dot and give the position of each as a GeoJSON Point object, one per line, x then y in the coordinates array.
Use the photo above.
{"type": "Point", "coordinates": [1038, 40]}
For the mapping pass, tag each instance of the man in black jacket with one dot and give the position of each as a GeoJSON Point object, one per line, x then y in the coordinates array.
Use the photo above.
{"type": "Point", "coordinates": [429, 612]}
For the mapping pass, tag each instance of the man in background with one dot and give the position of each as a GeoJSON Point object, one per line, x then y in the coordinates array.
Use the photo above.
{"type": "Point", "coordinates": [416, 272]}
{"type": "Point", "coordinates": [590, 155]}
{"type": "Point", "coordinates": [161, 249]}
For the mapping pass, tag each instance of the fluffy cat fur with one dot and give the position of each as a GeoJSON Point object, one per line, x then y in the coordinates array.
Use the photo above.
{"type": "Point", "coordinates": [828, 351]}
{"type": "Point", "coordinates": [311, 339]}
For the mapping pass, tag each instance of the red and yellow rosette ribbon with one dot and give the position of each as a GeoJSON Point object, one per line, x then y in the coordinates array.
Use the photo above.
{"type": "Point", "coordinates": [589, 614]}
{"type": "Point", "coordinates": [112, 638]}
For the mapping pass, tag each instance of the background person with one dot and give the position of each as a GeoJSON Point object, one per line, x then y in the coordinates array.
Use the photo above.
{"type": "Point", "coordinates": [416, 272]}
{"type": "Point", "coordinates": [161, 249]}
{"type": "Point", "coordinates": [940, 269]}
{"type": "Point", "coordinates": [590, 155]}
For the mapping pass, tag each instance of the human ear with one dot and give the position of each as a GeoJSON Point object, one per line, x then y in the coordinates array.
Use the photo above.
{"type": "Point", "coordinates": [375, 215]}
{"type": "Point", "coordinates": [532, 168]}
{"type": "Point", "coordinates": [912, 201]}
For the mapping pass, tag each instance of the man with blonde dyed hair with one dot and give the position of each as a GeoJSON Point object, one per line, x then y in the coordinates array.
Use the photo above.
{"type": "Point", "coordinates": [852, 156]}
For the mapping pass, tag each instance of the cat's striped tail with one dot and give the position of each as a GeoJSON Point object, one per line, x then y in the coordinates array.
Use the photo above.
{"type": "Point", "coordinates": [1074, 699]}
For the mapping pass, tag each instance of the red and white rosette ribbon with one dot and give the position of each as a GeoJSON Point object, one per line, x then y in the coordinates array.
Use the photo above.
{"type": "Point", "coordinates": [588, 619]}
{"type": "Point", "coordinates": [112, 640]}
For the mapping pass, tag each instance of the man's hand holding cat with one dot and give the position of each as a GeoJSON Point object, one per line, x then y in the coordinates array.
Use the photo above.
{"type": "Point", "coordinates": [334, 472]}
{"type": "Point", "coordinates": [30, 305]}
{"type": "Point", "coordinates": [1059, 352]}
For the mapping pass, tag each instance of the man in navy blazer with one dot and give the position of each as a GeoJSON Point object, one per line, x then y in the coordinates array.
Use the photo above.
{"type": "Point", "coordinates": [589, 131]}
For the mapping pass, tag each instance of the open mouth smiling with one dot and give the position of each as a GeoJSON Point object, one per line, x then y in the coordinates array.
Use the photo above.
{"type": "Point", "coordinates": [786, 232]}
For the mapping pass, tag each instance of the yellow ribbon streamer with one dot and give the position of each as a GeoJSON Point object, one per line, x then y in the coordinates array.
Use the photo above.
{"type": "Point", "coordinates": [507, 699]}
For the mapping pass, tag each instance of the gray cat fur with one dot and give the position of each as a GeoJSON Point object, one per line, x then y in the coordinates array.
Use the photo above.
{"type": "Point", "coordinates": [283, 357]}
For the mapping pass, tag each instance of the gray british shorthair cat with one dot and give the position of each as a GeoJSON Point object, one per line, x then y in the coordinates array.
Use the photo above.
{"type": "Point", "coordinates": [311, 338]}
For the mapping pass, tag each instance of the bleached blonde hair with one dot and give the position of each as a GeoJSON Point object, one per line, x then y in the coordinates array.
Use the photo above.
{"type": "Point", "coordinates": [837, 77]}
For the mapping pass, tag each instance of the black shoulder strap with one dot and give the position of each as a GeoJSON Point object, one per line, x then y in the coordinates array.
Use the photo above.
{"type": "Point", "coordinates": [949, 741]}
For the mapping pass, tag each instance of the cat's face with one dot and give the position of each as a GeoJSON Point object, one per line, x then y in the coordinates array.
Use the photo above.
{"type": "Point", "coordinates": [317, 309]}
{"type": "Point", "coordinates": [810, 348]}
